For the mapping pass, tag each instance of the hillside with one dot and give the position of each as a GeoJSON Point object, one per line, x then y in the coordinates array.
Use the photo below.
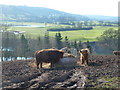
{"type": "Point", "coordinates": [102, 18]}
{"type": "Point", "coordinates": [41, 14]}
{"type": "Point", "coordinates": [37, 14]}
{"type": "Point", "coordinates": [102, 72]}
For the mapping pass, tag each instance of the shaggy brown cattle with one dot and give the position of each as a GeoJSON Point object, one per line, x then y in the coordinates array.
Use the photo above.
{"type": "Point", "coordinates": [116, 52]}
{"type": "Point", "coordinates": [48, 56]}
{"type": "Point", "coordinates": [84, 53]}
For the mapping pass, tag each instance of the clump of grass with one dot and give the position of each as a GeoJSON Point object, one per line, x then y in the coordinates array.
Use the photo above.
{"type": "Point", "coordinates": [108, 82]}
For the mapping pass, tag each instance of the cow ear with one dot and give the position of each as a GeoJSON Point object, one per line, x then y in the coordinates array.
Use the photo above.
{"type": "Point", "coordinates": [80, 51]}
{"type": "Point", "coordinates": [87, 51]}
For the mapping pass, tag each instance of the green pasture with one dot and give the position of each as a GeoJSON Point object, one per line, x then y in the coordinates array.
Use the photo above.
{"type": "Point", "coordinates": [82, 35]}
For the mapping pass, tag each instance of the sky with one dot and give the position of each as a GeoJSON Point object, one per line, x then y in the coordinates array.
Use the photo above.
{"type": "Point", "coordinates": [82, 7]}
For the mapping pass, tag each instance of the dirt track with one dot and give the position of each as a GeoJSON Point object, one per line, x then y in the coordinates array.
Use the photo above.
{"type": "Point", "coordinates": [101, 72]}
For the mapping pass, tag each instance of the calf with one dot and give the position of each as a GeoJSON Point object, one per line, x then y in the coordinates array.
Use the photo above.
{"type": "Point", "coordinates": [84, 53]}
{"type": "Point", "coordinates": [48, 56]}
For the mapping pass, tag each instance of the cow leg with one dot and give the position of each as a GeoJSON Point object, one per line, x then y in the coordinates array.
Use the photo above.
{"type": "Point", "coordinates": [82, 61]}
{"type": "Point", "coordinates": [37, 65]}
{"type": "Point", "coordinates": [41, 65]}
{"type": "Point", "coordinates": [87, 61]}
{"type": "Point", "coordinates": [52, 65]}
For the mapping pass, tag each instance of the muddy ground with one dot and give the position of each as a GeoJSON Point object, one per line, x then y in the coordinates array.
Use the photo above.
{"type": "Point", "coordinates": [102, 72]}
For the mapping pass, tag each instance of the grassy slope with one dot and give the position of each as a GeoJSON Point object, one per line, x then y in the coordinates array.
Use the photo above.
{"type": "Point", "coordinates": [72, 35]}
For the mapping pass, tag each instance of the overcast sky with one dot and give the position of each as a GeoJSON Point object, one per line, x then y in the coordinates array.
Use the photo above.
{"type": "Point", "coordinates": [83, 7]}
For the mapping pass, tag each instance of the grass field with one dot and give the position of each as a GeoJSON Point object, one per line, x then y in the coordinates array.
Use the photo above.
{"type": "Point", "coordinates": [82, 35]}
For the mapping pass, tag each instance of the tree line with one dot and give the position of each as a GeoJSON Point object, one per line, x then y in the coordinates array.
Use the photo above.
{"type": "Point", "coordinates": [20, 45]}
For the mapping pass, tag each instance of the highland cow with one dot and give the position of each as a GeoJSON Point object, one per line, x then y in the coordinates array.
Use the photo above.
{"type": "Point", "coordinates": [116, 52]}
{"type": "Point", "coordinates": [84, 53]}
{"type": "Point", "coordinates": [48, 56]}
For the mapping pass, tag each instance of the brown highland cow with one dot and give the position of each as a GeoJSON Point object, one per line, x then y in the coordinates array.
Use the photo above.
{"type": "Point", "coordinates": [48, 56]}
{"type": "Point", "coordinates": [84, 53]}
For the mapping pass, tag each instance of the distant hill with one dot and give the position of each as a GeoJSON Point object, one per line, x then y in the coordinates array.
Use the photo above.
{"type": "Point", "coordinates": [40, 14]}
{"type": "Point", "coordinates": [102, 18]}
{"type": "Point", "coordinates": [37, 14]}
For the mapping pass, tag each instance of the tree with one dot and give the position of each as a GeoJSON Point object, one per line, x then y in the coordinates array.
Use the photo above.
{"type": "Point", "coordinates": [79, 45]}
{"type": "Point", "coordinates": [67, 44]}
{"type": "Point", "coordinates": [75, 44]}
{"type": "Point", "coordinates": [13, 45]}
{"type": "Point", "coordinates": [47, 40]}
{"type": "Point", "coordinates": [6, 45]}
{"type": "Point", "coordinates": [109, 39]}
{"type": "Point", "coordinates": [24, 46]}
{"type": "Point", "coordinates": [39, 43]}
{"type": "Point", "coordinates": [89, 46]}
{"type": "Point", "coordinates": [5, 40]}
{"type": "Point", "coordinates": [58, 39]}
